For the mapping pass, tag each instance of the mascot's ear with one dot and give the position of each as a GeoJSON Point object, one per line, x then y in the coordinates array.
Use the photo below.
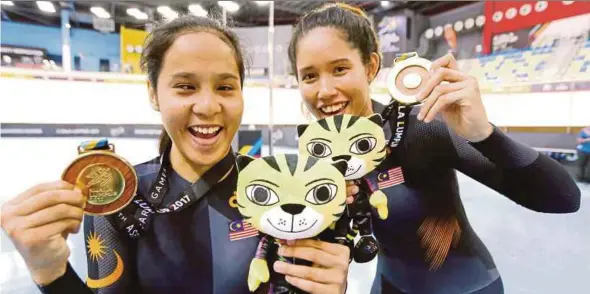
{"type": "Point", "coordinates": [243, 161]}
{"type": "Point", "coordinates": [341, 165]}
{"type": "Point", "coordinates": [301, 129]}
{"type": "Point", "coordinates": [376, 118]}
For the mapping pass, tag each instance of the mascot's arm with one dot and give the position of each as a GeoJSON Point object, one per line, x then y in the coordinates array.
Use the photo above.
{"type": "Point", "coordinates": [258, 267]}
{"type": "Point", "coordinates": [379, 200]}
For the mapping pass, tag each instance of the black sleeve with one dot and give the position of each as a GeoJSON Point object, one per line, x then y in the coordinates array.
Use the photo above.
{"type": "Point", "coordinates": [516, 171]}
{"type": "Point", "coordinates": [110, 267]}
{"type": "Point", "coordinates": [68, 283]}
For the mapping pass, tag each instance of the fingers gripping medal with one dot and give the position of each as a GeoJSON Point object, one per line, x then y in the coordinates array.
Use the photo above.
{"type": "Point", "coordinates": [107, 180]}
{"type": "Point", "coordinates": [407, 77]}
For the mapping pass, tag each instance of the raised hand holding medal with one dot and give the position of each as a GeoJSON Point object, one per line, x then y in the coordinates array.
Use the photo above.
{"type": "Point", "coordinates": [108, 181]}
{"type": "Point", "coordinates": [441, 88]}
{"type": "Point", "coordinates": [39, 220]}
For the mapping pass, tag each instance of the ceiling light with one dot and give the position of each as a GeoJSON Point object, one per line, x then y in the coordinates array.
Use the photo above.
{"type": "Point", "coordinates": [46, 6]}
{"type": "Point", "coordinates": [138, 14]}
{"type": "Point", "coordinates": [262, 3]}
{"type": "Point", "coordinates": [133, 11]}
{"type": "Point", "coordinates": [100, 12]}
{"type": "Point", "coordinates": [480, 20]}
{"type": "Point", "coordinates": [429, 34]}
{"type": "Point", "coordinates": [229, 5]}
{"type": "Point", "coordinates": [167, 12]}
{"type": "Point", "coordinates": [469, 23]}
{"type": "Point", "coordinates": [385, 3]}
{"type": "Point", "coordinates": [164, 9]}
{"type": "Point", "coordinates": [197, 10]}
{"type": "Point", "coordinates": [7, 3]}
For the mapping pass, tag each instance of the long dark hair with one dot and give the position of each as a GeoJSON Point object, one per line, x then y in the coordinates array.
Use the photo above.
{"type": "Point", "coordinates": [351, 21]}
{"type": "Point", "coordinates": [164, 35]}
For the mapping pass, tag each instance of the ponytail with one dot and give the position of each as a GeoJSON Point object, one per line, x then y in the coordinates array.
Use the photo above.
{"type": "Point", "coordinates": [164, 142]}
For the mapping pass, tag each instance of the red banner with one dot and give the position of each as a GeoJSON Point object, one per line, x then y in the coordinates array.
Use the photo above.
{"type": "Point", "coordinates": [506, 16]}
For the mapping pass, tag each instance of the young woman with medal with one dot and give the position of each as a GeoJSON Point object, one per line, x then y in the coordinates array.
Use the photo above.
{"type": "Point", "coordinates": [182, 232]}
{"type": "Point", "coordinates": [426, 243]}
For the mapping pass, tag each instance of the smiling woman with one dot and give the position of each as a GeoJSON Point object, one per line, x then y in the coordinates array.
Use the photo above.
{"type": "Point", "coordinates": [182, 232]}
{"type": "Point", "coordinates": [197, 89]}
{"type": "Point", "coordinates": [426, 243]}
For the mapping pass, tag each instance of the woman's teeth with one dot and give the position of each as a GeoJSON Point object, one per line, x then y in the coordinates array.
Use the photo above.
{"type": "Point", "coordinates": [205, 131]}
{"type": "Point", "coordinates": [333, 108]}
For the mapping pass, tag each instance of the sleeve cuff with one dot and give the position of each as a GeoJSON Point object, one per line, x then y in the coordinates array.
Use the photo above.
{"type": "Point", "coordinates": [68, 283]}
{"type": "Point", "coordinates": [504, 151]}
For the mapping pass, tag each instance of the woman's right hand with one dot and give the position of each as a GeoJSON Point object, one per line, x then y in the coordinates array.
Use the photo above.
{"type": "Point", "coordinates": [38, 221]}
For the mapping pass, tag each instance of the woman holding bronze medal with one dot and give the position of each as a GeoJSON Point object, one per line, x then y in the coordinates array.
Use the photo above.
{"type": "Point", "coordinates": [427, 244]}
{"type": "Point", "coordinates": [182, 233]}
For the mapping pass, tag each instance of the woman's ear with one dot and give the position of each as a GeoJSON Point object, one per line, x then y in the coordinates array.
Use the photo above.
{"type": "Point", "coordinates": [153, 97]}
{"type": "Point", "coordinates": [373, 66]}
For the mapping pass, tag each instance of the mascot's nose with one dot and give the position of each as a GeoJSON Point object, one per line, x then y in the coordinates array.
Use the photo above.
{"type": "Point", "coordinates": [293, 209]}
{"type": "Point", "coordinates": [345, 157]}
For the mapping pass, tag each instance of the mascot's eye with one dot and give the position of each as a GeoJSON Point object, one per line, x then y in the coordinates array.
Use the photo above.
{"type": "Point", "coordinates": [363, 145]}
{"type": "Point", "coordinates": [318, 149]}
{"type": "Point", "coordinates": [261, 195]}
{"type": "Point", "coordinates": [321, 194]}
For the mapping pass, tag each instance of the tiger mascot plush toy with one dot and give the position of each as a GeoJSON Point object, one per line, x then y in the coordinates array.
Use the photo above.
{"type": "Point", "coordinates": [287, 197]}
{"type": "Point", "coordinates": [360, 141]}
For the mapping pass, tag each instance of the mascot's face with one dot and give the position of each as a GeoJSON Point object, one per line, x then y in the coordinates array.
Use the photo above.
{"type": "Point", "coordinates": [290, 196]}
{"type": "Point", "coordinates": [358, 140]}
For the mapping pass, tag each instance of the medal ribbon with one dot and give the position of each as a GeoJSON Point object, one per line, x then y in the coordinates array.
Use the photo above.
{"type": "Point", "coordinates": [100, 144]}
{"type": "Point", "coordinates": [135, 219]}
{"type": "Point", "coordinates": [404, 56]}
{"type": "Point", "coordinates": [397, 116]}
{"type": "Point", "coordinates": [399, 122]}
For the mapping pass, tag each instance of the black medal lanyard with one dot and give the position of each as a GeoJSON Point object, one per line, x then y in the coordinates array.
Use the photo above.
{"type": "Point", "coordinates": [399, 122]}
{"type": "Point", "coordinates": [397, 115]}
{"type": "Point", "coordinates": [135, 219]}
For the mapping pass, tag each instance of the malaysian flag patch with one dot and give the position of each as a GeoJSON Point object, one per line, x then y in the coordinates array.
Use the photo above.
{"type": "Point", "coordinates": [241, 229]}
{"type": "Point", "coordinates": [390, 178]}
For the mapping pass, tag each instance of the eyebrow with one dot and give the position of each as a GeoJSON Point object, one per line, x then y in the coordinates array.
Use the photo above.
{"type": "Point", "coordinates": [189, 75]}
{"type": "Point", "coordinates": [266, 181]}
{"type": "Point", "coordinates": [358, 135]}
{"type": "Point", "coordinates": [331, 62]}
{"type": "Point", "coordinates": [185, 75]}
{"type": "Point", "coordinates": [321, 179]}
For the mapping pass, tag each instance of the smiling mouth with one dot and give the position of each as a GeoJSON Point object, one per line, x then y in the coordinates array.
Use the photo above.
{"type": "Point", "coordinates": [205, 131]}
{"type": "Point", "coordinates": [292, 232]}
{"type": "Point", "coordinates": [334, 108]}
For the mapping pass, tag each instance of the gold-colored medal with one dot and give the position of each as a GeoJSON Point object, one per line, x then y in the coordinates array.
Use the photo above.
{"type": "Point", "coordinates": [107, 180]}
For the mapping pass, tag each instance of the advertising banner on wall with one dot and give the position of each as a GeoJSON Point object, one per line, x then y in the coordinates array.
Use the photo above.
{"type": "Point", "coordinates": [131, 48]}
{"type": "Point", "coordinates": [542, 34]}
{"type": "Point", "coordinates": [13, 130]}
{"type": "Point", "coordinates": [22, 57]}
{"type": "Point", "coordinates": [511, 16]}
{"type": "Point", "coordinates": [391, 31]}
{"type": "Point", "coordinates": [250, 142]}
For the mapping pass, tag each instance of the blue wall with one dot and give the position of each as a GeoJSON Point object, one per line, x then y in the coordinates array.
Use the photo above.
{"type": "Point", "coordinates": [93, 45]}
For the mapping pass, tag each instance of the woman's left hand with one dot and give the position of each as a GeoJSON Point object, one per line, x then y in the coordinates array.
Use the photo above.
{"type": "Point", "coordinates": [458, 101]}
{"type": "Point", "coordinates": [328, 273]}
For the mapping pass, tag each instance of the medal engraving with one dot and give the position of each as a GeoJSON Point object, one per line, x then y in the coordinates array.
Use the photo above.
{"type": "Point", "coordinates": [108, 181]}
{"type": "Point", "coordinates": [104, 183]}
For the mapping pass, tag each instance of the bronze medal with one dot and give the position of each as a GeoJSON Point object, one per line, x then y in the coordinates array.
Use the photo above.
{"type": "Point", "coordinates": [407, 77]}
{"type": "Point", "coordinates": [107, 180]}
